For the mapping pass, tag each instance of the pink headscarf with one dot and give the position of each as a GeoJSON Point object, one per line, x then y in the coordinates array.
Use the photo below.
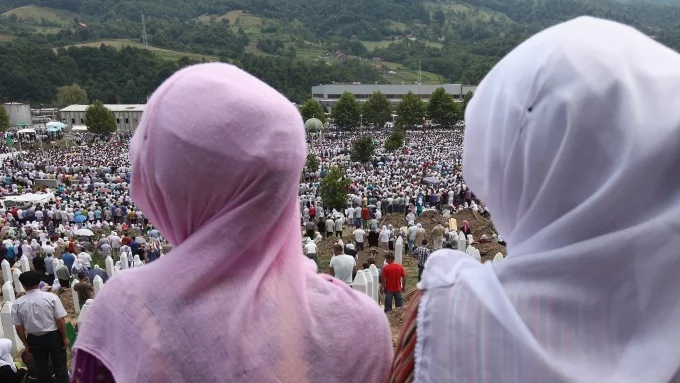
{"type": "Point", "coordinates": [216, 162]}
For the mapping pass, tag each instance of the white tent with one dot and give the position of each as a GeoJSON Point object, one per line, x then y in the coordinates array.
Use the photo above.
{"type": "Point", "coordinates": [79, 128]}
{"type": "Point", "coordinates": [27, 130]}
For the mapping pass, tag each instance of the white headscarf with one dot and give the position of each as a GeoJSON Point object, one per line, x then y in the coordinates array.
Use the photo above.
{"type": "Point", "coordinates": [6, 354]}
{"type": "Point", "coordinates": [576, 122]}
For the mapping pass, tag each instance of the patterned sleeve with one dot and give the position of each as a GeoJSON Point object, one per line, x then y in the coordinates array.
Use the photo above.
{"type": "Point", "coordinates": [89, 369]}
{"type": "Point", "coordinates": [403, 365]}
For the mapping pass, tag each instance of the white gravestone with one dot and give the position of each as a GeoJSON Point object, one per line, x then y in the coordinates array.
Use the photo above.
{"type": "Point", "coordinates": [373, 271]}
{"type": "Point", "coordinates": [109, 266]}
{"type": "Point", "coordinates": [61, 263]}
{"type": "Point", "coordinates": [6, 272]}
{"type": "Point", "coordinates": [399, 251]}
{"type": "Point", "coordinates": [360, 283]}
{"type": "Point", "coordinates": [124, 261]}
{"type": "Point", "coordinates": [476, 255]}
{"type": "Point", "coordinates": [17, 285]}
{"type": "Point", "coordinates": [8, 329]}
{"type": "Point", "coordinates": [470, 239]}
{"type": "Point", "coordinates": [498, 258]}
{"type": "Point", "coordinates": [462, 242]}
{"type": "Point", "coordinates": [84, 310]}
{"type": "Point", "coordinates": [8, 291]}
{"type": "Point", "coordinates": [369, 283]}
{"type": "Point", "coordinates": [74, 295]}
{"type": "Point", "coordinates": [98, 283]}
{"type": "Point", "coordinates": [55, 265]}
{"type": "Point", "coordinates": [24, 264]}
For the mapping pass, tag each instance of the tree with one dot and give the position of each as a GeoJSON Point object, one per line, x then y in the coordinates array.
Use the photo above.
{"type": "Point", "coordinates": [346, 112]}
{"type": "Point", "coordinates": [312, 109]}
{"type": "Point", "coordinates": [466, 100]}
{"type": "Point", "coordinates": [410, 110]}
{"type": "Point", "coordinates": [99, 119]}
{"type": "Point", "coordinates": [362, 149]}
{"type": "Point", "coordinates": [312, 163]}
{"type": "Point", "coordinates": [333, 189]}
{"type": "Point", "coordinates": [442, 109]}
{"type": "Point", "coordinates": [396, 139]}
{"type": "Point", "coordinates": [71, 94]}
{"type": "Point", "coordinates": [4, 119]}
{"type": "Point", "coordinates": [377, 109]}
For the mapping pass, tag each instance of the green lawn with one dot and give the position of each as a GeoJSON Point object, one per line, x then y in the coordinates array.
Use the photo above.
{"type": "Point", "coordinates": [6, 38]}
{"type": "Point", "coordinates": [33, 14]}
{"type": "Point", "coordinates": [160, 52]}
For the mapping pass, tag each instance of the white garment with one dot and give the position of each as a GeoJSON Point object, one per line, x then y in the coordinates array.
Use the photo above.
{"type": "Point", "coordinates": [343, 265]}
{"type": "Point", "coordinates": [573, 142]}
{"type": "Point", "coordinates": [359, 235]}
{"type": "Point", "coordinates": [85, 258]}
{"type": "Point", "coordinates": [6, 354]}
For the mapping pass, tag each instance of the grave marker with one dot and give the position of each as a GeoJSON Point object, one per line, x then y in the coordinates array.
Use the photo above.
{"type": "Point", "coordinates": [83, 312]}
{"type": "Point", "coordinates": [98, 283]}
{"type": "Point", "coordinates": [24, 264]}
{"type": "Point", "coordinates": [124, 261]}
{"type": "Point", "coordinates": [360, 283]}
{"type": "Point", "coordinates": [373, 270]}
{"type": "Point", "coordinates": [8, 291]}
{"type": "Point", "coordinates": [399, 251]}
{"type": "Point", "coordinates": [74, 295]}
{"type": "Point", "coordinates": [109, 266]}
{"type": "Point", "coordinates": [6, 272]}
{"type": "Point", "coordinates": [18, 287]}
{"type": "Point", "coordinates": [498, 258]}
{"type": "Point", "coordinates": [8, 329]}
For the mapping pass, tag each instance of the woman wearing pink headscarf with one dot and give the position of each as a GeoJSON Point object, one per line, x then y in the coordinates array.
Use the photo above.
{"type": "Point", "coordinates": [573, 140]}
{"type": "Point", "coordinates": [216, 162]}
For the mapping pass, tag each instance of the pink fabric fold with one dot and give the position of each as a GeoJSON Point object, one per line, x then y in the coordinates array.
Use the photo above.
{"type": "Point", "coordinates": [215, 166]}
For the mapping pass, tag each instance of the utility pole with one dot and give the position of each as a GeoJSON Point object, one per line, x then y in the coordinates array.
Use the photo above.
{"type": "Point", "coordinates": [144, 38]}
{"type": "Point", "coordinates": [420, 74]}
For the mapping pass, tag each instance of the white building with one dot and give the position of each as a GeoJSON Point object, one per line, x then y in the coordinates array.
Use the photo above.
{"type": "Point", "coordinates": [329, 94]}
{"type": "Point", "coordinates": [127, 116]}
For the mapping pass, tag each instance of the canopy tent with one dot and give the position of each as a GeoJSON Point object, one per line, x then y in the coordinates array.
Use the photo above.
{"type": "Point", "coordinates": [28, 130]}
{"type": "Point", "coordinates": [53, 130]}
{"type": "Point", "coordinates": [22, 124]}
{"type": "Point", "coordinates": [79, 128]}
{"type": "Point", "coordinates": [55, 125]}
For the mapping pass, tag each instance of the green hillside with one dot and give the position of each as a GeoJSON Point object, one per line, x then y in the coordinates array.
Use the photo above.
{"type": "Point", "coordinates": [351, 40]}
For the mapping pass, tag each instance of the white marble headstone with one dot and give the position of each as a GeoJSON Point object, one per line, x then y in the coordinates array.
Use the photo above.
{"type": "Point", "coordinates": [8, 329]}
{"type": "Point", "coordinates": [373, 271]}
{"type": "Point", "coordinates": [74, 295]}
{"type": "Point", "coordinates": [98, 283]}
{"type": "Point", "coordinates": [498, 258]}
{"type": "Point", "coordinates": [8, 291]}
{"type": "Point", "coordinates": [84, 310]}
{"type": "Point", "coordinates": [470, 239]}
{"type": "Point", "coordinates": [109, 266]}
{"type": "Point", "coordinates": [360, 283]}
{"type": "Point", "coordinates": [24, 264]}
{"type": "Point", "coordinates": [18, 287]}
{"type": "Point", "coordinates": [399, 251]}
{"type": "Point", "coordinates": [124, 261]}
{"type": "Point", "coordinates": [6, 272]}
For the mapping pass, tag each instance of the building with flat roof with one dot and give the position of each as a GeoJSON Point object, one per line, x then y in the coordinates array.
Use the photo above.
{"type": "Point", "coordinates": [127, 116]}
{"type": "Point", "coordinates": [329, 94]}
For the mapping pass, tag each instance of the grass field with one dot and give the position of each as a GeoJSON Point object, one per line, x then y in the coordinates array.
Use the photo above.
{"type": "Point", "coordinates": [6, 38]}
{"type": "Point", "coordinates": [33, 14]}
{"type": "Point", "coordinates": [162, 53]}
{"type": "Point", "coordinates": [371, 45]}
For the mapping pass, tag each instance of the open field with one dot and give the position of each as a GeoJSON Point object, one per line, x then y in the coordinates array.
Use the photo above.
{"type": "Point", "coordinates": [6, 38]}
{"type": "Point", "coordinates": [371, 45]}
{"type": "Point", "coordinates": [33, 14]}
{"type": "Point", "coordinates": [480, 14]}
{"type": "Point", "coordinates": [160, 52]}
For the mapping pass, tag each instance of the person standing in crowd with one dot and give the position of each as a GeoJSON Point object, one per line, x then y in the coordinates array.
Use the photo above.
{"type": "Point", "coordinates": [85, 257]}
{"type": "Point", "coordinates": [342, 266]}
{"type": "Point", "coordinates": [421, 253]}
{"type": "Point", "coordinates": [40, 321]}
{"type": "Point", "coordinates": [330, 227]}
{"type": "Point", "coordinates": [359, 237]}
{"type": "Point", "coordinates": [393, 282]}
{"type": "Point", "coordinates": [252, 286]}
{"type": "Point", "coordinates": [49, 268]}
{"type": "Point", "coordinates": [63, 274]}
{"type": "Point", "coordinates": [438, 236]}
{"type": "Point", "coordinates": [338, 225]}
{"type": "Point", "coordinates": [68, 258]}
{"type": "Point", "coordinates": [9, 373]}
{"type": "Point", "coordinates": [557, 133]}
{"type": "Point", "coordinates": [84, 288]}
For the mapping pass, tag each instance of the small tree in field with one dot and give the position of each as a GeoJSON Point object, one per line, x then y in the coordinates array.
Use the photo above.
{"type": "Point", "coordinates": [312, 162]}
{"type": "Point", "coordinates": [4, 119]}
{"type": "Point", "coordinates": [312, 109]}
{"type": "Point", "coordinates": [333, 189]}
{"type": "Point", "coordinates": [362, 149]}
{"type": "Point", "coordinates": [396, 139]}
{"type": "Point", "coordinates": [99, 119]}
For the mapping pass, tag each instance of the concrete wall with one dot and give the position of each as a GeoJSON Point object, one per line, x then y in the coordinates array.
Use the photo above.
{"type": "Point", "coordinates": [125, 121]}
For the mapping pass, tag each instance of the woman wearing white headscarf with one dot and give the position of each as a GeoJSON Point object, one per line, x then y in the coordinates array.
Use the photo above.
{"type": "Point", "coordinates": [576, 122]}
{"type": "Point", "coordinates": [384, 238]}
{"type": "Point", "coordinates": [137, 262]}
{"type": "Point", "coordinates": [8, 370]}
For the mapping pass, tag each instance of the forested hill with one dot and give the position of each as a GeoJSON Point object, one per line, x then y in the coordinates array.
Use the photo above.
{"type": "Point", "coordinates": [285, 42]}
